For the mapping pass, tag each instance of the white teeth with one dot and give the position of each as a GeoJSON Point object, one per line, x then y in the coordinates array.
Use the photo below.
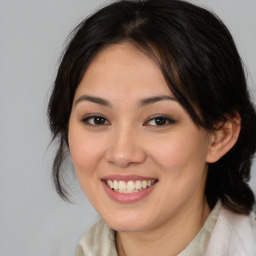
{"type": "Point", "coordinates": [110, 184]}
{"type": "Point", "coordinates": [122, 186]}
{"type": "Point", "coordinates": [138, 184]}
{"type": "Point", "coordinates": [115, 185]}
{"type": "Point", "coordinates": [144, 184]}
{"type": "Point", "coordinates": [130, 186]}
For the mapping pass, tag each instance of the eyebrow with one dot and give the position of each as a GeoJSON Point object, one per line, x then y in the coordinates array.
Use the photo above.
{"type": "Point", "coordinates": [96, 100]}
{"type": "Point", "coordinates": [142, 103]}
{"type": "Point", "coordinates": [155, 99]}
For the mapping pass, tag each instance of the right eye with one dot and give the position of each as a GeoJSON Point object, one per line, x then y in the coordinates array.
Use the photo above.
{"type": "Point", "coordinates": [95, 120]}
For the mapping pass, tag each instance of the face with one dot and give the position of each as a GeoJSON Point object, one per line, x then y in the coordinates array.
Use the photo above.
{"type": "Point", "coordinates": [138, 156]}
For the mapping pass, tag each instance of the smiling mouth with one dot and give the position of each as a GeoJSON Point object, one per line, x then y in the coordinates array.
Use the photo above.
{"type": "Point", "coordinates": [130, 186]}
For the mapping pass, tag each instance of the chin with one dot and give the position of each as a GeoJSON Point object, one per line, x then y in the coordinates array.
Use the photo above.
{"type": "Point", "coordinates": [122, 227]}
{"type": "Point", "coordinates": [127, 224]}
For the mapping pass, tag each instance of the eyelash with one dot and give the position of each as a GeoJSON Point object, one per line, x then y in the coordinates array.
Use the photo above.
{"type": "Point", "coordinates": [161, 118]}
{"type": "Point", "coordinates": [103, 121]}
{"type": "Point", "coordinates": [87, 120]}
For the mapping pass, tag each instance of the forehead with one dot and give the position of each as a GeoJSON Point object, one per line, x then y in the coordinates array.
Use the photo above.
{"type": "Point", "coordinates": [123, 69]}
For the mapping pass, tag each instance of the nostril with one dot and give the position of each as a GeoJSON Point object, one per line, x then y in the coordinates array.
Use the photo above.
{"type": "Point", "coordinates": [125, 157]}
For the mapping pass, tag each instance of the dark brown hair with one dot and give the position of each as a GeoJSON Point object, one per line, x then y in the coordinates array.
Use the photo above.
{"type": "Point", "coordinates": [201, 66]}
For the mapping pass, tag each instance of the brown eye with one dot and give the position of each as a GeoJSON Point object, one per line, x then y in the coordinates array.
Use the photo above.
{"type": "Point", "coordinates": [96, 120]}
{"type": "Point", "coordinates": [159, 121]}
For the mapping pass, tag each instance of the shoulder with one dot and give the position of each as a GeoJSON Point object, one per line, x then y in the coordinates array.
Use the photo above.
{"type": "Point", "coordinates": [233, 234]}
{"type": "Point", "coordinates": [99, 240]}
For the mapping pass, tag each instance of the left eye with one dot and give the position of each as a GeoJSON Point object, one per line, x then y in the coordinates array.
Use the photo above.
{"type": "Point", "coordinates": [95, 120]}
{"type": "Point", "coordinates": [159, 121]}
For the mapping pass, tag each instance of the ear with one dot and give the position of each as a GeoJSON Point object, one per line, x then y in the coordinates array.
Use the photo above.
{"type": "Point", "coordinates": [224, 138]}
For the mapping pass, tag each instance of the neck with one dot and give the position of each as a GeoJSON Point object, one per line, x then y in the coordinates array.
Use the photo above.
{"type": "Point", "coordinates": [168, 239]}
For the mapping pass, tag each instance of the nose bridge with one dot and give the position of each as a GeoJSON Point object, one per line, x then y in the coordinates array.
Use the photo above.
{"type": "Point", "coordinates": [125, 148]}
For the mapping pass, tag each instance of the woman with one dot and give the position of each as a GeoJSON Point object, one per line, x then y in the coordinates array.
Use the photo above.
{"type": "Point", "coordinates": [151, 101]}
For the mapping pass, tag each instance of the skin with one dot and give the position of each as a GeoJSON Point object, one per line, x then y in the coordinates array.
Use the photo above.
{"type": "Point", "coordinates": [129, 142]}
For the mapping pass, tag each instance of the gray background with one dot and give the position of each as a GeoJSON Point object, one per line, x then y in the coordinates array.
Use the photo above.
{"type": "Point", "coordinates": [33, 220]}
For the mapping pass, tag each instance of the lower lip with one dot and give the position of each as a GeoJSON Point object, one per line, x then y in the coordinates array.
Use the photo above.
{"type": "Point", "coordinates": [127, 197]}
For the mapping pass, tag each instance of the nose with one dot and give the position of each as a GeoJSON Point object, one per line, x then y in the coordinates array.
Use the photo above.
{"type": "Point", "coordinates": [125, 149]}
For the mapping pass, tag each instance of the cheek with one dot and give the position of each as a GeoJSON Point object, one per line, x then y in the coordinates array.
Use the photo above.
{"type": "Point", "coordinates": [182, 165]}
{"type": "Point", "coordinates": [86, 156]}
{"type": "Point", "coordinates": [180, 153]}
{"type": "Point", "coordinates": [85, 153]}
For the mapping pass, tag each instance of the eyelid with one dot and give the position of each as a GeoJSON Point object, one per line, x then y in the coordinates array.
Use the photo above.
{"type": "Point", "coordinates": [168, 118]}
{"type": "Point", "coordinates": [91, 116]}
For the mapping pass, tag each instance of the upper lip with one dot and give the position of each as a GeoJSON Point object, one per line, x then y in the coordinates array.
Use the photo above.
{"type": "Point", "coordinates": [118, 177]}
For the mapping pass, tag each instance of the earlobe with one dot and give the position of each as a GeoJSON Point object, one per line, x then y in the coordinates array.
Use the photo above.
{"type": "Point", "coordinates": [224, 138]}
